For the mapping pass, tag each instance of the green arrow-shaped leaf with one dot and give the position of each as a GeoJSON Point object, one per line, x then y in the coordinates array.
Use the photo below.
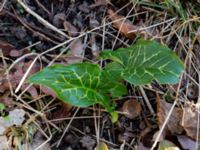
{"type": "Point", "coordinates": [79, 84]}
{"type": "Point", "coordinates": [146, 61]}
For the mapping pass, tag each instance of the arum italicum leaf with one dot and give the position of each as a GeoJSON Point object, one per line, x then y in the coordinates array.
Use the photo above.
{"type": "Point", "coordinates": [78, 84]}
{"type": "Point", "coordinates": [146, 61]}
{"type": "Point", "coordinates": [111, 76]}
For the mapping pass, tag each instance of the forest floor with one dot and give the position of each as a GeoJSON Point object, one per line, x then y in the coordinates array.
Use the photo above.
{"type": "Point", "coordinates": [35, 34]}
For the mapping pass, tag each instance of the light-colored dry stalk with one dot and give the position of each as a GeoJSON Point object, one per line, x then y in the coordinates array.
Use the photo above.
{"type": "Point", "coordinates": [2, 5]}
{"type": "Point", "coordinates": [41, 20]}
{"type": "Point", "coordinates": [67, 127]}
{"type": "Point", "coordinates": [147, 100]}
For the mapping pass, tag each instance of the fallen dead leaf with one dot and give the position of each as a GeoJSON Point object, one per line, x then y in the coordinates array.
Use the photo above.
{"type": "Point", "coordinates": [124, 27]}
{"type": "Point", "coordinates": [94, 47]}
{"type": "Point", "coordinates": [16, 53]}
{"type": "Point", "coordinates": [131, 109]}
{"type": "Point", "coordinates": [142, 147]}
{"type": "Point", "coordinates": [3, 143]}
{"type": "Point", "coordinates": [121, 2]}
{"type": "Point", "coordinates": [48, 91]}
{"type": "Point", "coordinates": [190, 120]}
{"type": "Point", "coordinates": [87, 142]}
{"type": "Point", "coordinates": [36, 142]}
{"type": "Point", "coordinates": [147, 140]}
{"type": "Point", "coordinates": [84, 7]}
{"type": "Point", "coordinates": [77, 52]}
{"type": "Point", "coordinates": [180, 119]}
{"type": "Point", "coordinates": [58, 19]}
{"type": "Point", "coordinates": [174, 123]}
{"type": "Point", "coordinates": [15, 76]}
{"type": "Point", "coordinates": [6, 48]}
{"type": "Point", "coordinates": [62, 112]}
{"type": "Point", "coordinates": [198, 34]}
{"type": "Point", "coordinates": [15, 117]}
{"type": "Point", "coordinates": [126, 136]}
{"type": "Point", "coordinates": [72, 30]}
{"type": "Point", "coordinates": [155, 135]}
{"type": "Point", "coordinates": [18, 70]}
{"type": "Point", "coordinates": [9, 50]}
{"type": "Point", "coordinates": [93, 22]}
{"type": "Point", "coordinates": [21, 52]}
{"type": "Point", "coordinates": [99, 3]}
{"type": "Point", "coordinates": [6, 99]}
{"type": "Point", "coordinates": [187, 143]}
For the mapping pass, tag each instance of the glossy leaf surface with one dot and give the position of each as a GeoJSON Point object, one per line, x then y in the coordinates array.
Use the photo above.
{"type": "Point", "coordinates": [146, 61]}
{"type": "Point", "coordinates": [82, 84]}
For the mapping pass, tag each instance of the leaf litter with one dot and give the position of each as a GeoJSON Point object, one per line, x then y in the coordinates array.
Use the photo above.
{"type": "Point", "coordinates": [15, 117]}
{"type": "Point", "coordinates": [124, 26]}
{"type": "Point", "coordinates": [182, 119]}
{"type": "Point", "coordinates": [75, 21]}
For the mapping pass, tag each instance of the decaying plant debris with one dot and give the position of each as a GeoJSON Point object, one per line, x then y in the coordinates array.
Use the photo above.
{"type": "Point", "coordinates": [37, 34]}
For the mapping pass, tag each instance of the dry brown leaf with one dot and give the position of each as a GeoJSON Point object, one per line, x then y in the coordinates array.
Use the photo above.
{"type": "Point", "coordinates": [36, 142]}
{"type": "Point", "coordinates": [124, 27]}
{"type": "Point", "coordinates": [146, 139]}
{"type": "Point", "coordinates": [142, 147]}
{"type": "Point", "coordinates": [20, 70]}
{"type": "Point", "coordinates": [132, 109]}
{"type": "Point", "coordinates": [72, 30]}
{"type": "Point", "coordinates": [174, 123]}
{"type": "Point", "coordinates": [77, 52]}
{"type": "Point", "coordinates": [94, 47]}
{"type": "Point", "coordinates": [48, 91]}
{"type": "Point", "coordinates": [126, 136]}
{"type": "Point", "coordinates": [84, 7]}
{"type": "Point", "coordinates": [6, 48]}
{"type": "Point", "coordinates": [99, 3]}
{"type": "Point", "coordinates": [58, 19]}
{"type": "Point", "coordinates": [88, 142]}
{"type": "Point", "coordinates": [62, 112]}
{"type": "Point", "coordinates": [6, 99]}
{"type": "Point", "coordinates": [16, 117]}
{"type": "Point", "coordinates": [15, 77]}
{"type": "Point", "coordinates": [187, 143]}
{"type": "Point", "coordinates": [4, 143]}
{"type": "Point", "coordinates": [16, 53]}
{"type": "Point", "coordinates": [9, 50]}
{"type": "Point", "coordinates": [190, 120]}
{"type": "Point", "coordinates": [155, 135]}
{"type": "Point", "coordinates": [198, 35]}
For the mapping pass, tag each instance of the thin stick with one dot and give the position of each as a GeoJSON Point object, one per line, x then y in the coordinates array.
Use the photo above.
{"type": "Point", "coordinates": [2, 5]}
{"type": "Point", "coordinates": [197, 143]}
{"type": "Point", "coordinates": [66, 129]}
{"type": "Point", "coordinates": [163, 126]}
{"type": "Point", "coordinates": [41, 20]}
{"type": "Point", "coordinates": [25, 75]}
{"type": "Point", "coordinates": [154, 25]}
{"type": "Point", "coordinates": [147, 100]}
